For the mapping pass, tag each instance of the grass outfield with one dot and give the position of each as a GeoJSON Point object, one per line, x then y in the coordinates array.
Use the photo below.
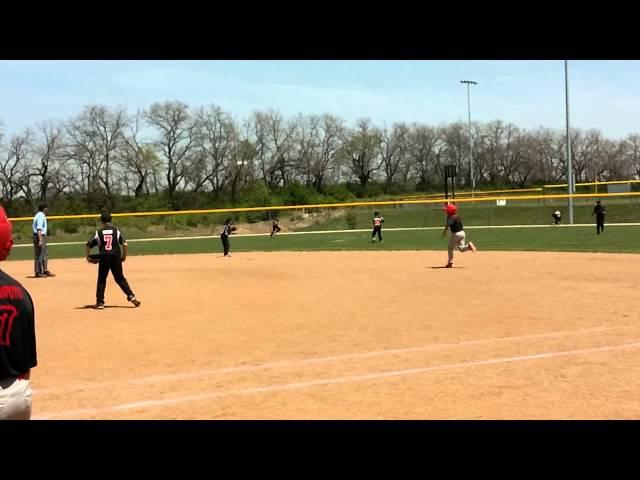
{"type": "Point", "coordinates": [616, 239]}
{"type": "Point", "coordinates": [481, 213]}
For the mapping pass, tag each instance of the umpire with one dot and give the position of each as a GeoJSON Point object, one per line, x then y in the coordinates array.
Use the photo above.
{"type": "Point", "coordinates": [113, 251]}
{"type": "Point", "coordinates": [40, 243]}
{"type": "Point", "coordinates": [17, 338]}
{"type": "Point", "coordinates": [599, 211]}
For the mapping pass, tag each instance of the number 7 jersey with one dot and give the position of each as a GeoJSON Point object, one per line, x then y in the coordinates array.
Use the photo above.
{"type": "Point", "coordinates": [109, 241]}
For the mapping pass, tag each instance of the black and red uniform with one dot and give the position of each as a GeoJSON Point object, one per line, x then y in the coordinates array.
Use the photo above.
{"type": "Point", "coordinates": [378, 220]}
{"type": "Point", "coordinates": [17, 331]}
{"type": "Point", "coordinates": [17, 337]}
{"type": "Point", "coordinates": [275, 228]}
{"type": "Point", "coordinates": [227, 230]}
{"type": "Point", "coordinates": [110, 241]}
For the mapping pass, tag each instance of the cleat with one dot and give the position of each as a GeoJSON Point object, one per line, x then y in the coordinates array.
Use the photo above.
{"type": "Point", "coordinates": [136, 303]}
{"type": "Point", "coordinates": [449, 265]}
{"type": "Point", "coordinates": [99, 306]}
{"type": "Point", "coordinates": [49, 274]}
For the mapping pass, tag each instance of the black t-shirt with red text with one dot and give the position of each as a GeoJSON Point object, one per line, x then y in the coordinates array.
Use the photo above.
{"type": "Point", "coordinates": [109, 241]}
{"type": "Point", "coordinates": [17, 329]}
{"type": "Point", "coordinates": [454, 222]}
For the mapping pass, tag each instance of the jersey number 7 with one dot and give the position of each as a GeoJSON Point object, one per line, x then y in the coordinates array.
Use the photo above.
{"type": "Point", "coordinates": [7, 314]}
{"type": "Point", "coordinates": [108, 242]}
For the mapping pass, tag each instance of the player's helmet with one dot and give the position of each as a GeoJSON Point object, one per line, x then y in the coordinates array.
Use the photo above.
{"type": "Point", "coordinates": [450, 209]}
{"type": "Point", "coordinates": [6, 235]}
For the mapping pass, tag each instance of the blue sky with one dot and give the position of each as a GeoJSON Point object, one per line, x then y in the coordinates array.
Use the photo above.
{"type": "Point", "coordinates": [604, 94]}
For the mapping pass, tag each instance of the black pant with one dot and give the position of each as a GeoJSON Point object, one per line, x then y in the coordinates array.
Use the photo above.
{"type": "Point", "coordinates": [377, 230]}
{"type": "Point", "coordinates": [113, 263]}
{"type": "Point", "coordinates": [41, 255]}
{"type": "Point", "coordinates": [275, 229]}
{"type": "Point", "coordinates": [599, 224]}
{"type": "Point", "coordinates": [225, 243]}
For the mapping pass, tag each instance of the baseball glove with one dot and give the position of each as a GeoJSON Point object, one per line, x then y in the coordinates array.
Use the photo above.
{"type": "Point", "coordinates": [94, 258]}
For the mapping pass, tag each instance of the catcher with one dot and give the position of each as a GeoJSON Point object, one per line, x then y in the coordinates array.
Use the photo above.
{"type": "Point", "coordinates": [113, 251]}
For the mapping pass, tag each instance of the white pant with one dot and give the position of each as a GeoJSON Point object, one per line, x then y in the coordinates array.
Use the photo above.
{"type": "Point", "coordinates": [457, 240]}
{"type": "Point", "coordinates": [15, 400]}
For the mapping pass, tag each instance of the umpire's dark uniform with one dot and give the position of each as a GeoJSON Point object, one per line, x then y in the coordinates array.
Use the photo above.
{"type": "Point", "coordinates": [113, 251]}
{"type": "Point", "coordinates": [17, 338]}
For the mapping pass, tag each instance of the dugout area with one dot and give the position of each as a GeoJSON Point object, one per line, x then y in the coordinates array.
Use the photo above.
{"type": "Point", "coordinates": [341, 335]}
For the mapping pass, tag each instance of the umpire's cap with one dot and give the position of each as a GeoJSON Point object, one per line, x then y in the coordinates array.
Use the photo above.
{"type": "Point", "coordinates": [105, 217]}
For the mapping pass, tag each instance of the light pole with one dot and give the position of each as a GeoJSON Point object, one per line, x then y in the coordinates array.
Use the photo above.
{"type": "Point", "coordinates": [569, 168]}
{"type": "Point", "coordinates": [473, 178]}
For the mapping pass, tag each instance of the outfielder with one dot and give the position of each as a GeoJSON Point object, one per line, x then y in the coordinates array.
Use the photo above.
{"type": "Point", "coordinates": [457, 240]}
{"type": "Point", "coordinates": [599, 211]}
{"type": "Point", "coordinates": [109, 241]}
{"type": "Point", "coordinates": [378, 220]}
{"type": "Point", "coordinates": [227, 230]}
{"type": "Point", "coordinates": [17, 338]}
{"type": "Point", "coordinates": [275, 228]}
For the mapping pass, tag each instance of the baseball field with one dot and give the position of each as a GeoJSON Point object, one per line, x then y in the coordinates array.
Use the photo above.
{"type": "Point", "coordinates": [541, 323]}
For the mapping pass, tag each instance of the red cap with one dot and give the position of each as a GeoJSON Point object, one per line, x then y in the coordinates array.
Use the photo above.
{"type": "Point", "coordinates": [6, 235]}
{"type": "Point", "coordinates": [450, 209]}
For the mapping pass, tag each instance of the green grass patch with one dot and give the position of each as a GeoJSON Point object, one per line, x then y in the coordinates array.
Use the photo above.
{"type": "Point", "coordinates": [616, 239]}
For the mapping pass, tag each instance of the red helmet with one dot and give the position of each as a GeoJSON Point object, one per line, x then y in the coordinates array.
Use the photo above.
{"type": "Point", "coordinates": [6, 235]}
{"type": "Point", "coordinates": [450, 209]}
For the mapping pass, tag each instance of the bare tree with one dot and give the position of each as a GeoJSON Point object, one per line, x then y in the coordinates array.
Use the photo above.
{"type": "Point", "coordinates": [275, 147]}
{"type": "Point", "coordinates": [362, 149]}
{"type": "Point", "coordinates": [631, 152]}
{"type": "Point", "coordinates": [96, 136]}
{"type": "Point", "coordinates": [456, 142]}
{"type": "Point", "coordinates": [425, 150]}
{"type": "Point", "coordinates": [393, 148]}
{"type": "Point", "coordinates": [49, 163]}
{"type": "Point", "coordinates": [331, 135]}
{"type": "Point", "coordinates": [178, 135]}
{"type": "Point", "coordinates": [15, 165]}
{"type": "Point", "coordinates": [215, 151]}
{"type": "Point", "coordinates": [139, 158]}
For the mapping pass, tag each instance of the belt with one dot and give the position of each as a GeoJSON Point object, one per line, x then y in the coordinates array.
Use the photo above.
{"type": "Point", "coordinates": [7, 382]}
{"type": "Point", "coordinates": [22, 376]}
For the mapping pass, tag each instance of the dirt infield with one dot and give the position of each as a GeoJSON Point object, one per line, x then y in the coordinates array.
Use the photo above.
{"type": "Point", "coordinates": [341, 335]}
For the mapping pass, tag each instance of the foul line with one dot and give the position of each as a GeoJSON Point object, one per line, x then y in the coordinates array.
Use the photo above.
{"type": "Point", "coordinates": [334, 381]}
{"type": "Point", "coordinates": [320, 232]}
{"type": "Point", "coordinates": [307, 361]}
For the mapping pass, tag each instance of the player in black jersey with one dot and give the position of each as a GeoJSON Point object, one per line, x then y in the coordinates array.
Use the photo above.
{"type": "Point", "coordinates": [227, 229]}
{"type": "Point", "coordinates": [599, 211]}
{"type": "Point", "coordinates": [113, 251]}
{"type": "Point", "coordinates": [275, 228]}
{"type": "Point", "coordinates": [378, 220]}
{"type": "Point", "coordinates": [454, 223]}
{"type": "Point", "coordinates": [17, 338]}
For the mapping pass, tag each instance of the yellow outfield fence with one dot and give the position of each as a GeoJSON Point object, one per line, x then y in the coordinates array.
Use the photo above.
{"type": "Point", "coordinates": [590, 184]}
{"type": "Point", "coordinates": [264, 208]}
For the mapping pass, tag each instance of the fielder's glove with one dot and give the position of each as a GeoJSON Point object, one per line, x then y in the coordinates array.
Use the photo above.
{"type": "Point", "coordinates": [94, 258]}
